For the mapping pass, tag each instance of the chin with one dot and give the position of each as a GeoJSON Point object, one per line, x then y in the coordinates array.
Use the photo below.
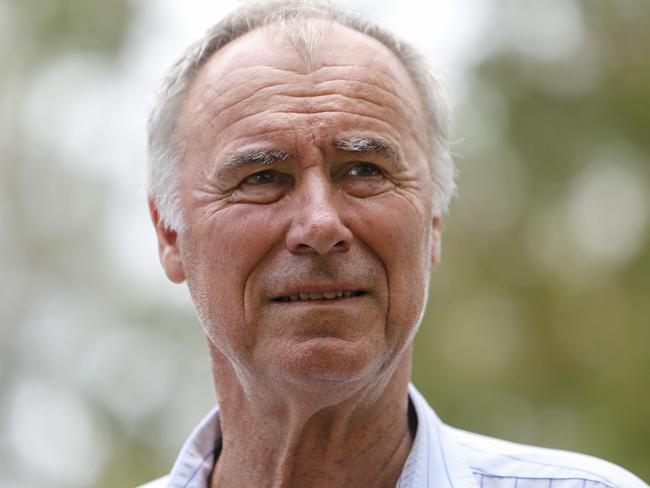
{"type": "Point", "coordinates": [329, 365]}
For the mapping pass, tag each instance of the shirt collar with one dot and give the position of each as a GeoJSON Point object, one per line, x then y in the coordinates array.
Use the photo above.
{"type": "Point", "coordinates": [195, 461]}
{"type": "Point", "coordinates": [435, 461]}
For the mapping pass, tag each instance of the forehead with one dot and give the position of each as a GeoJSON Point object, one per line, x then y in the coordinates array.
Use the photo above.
{"type": "Point", "coordinates": [333, 74]}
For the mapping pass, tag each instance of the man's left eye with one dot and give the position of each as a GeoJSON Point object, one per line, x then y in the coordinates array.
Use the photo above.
{"type": "Point", "coordinates": [364, 180]}
{"type": "Point", "coordinates": [364, 170]}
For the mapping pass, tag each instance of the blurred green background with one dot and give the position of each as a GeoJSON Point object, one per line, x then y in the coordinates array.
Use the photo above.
{"type": "Point", "coordinates": [539, 319]}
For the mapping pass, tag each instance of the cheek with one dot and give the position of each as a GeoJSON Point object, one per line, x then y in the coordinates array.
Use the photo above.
{"type": "Point", "coordinates": [400, 234]}
{"type": "Point", "coordinates": [220, 254]}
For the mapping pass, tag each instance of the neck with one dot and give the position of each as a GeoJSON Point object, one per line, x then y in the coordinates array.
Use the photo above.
{"type": "Point", "coordinates": [279, 441]}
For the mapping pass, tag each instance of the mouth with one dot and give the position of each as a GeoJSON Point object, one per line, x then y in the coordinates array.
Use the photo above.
{"type": "Point", "coordinates": [315, 296]}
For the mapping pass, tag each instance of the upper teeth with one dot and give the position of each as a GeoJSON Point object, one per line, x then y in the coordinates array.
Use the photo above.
{"type": "Point", "coordinates": [314, 295]}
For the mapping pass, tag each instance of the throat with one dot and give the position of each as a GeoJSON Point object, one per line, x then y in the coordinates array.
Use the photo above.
{"type": "Point", "coordinates": [318, 455]}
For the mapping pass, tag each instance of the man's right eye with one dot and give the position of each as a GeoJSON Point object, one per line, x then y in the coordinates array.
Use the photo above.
{"type": "Point", "coordinates": [261, 178]}
{"type": "Point", "coordinates": [264, 186]}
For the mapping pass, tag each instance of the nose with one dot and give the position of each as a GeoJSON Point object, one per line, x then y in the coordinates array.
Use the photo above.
{"type": "Point", "coordinates": [317, 226]}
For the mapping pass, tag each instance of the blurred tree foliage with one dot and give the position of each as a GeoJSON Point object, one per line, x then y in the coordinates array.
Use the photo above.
{"type": "Point", "coordinates": [529, 334]}
{"type": "Point", "coordinates": [55, 245]}
{"type": "Point", "coordinates": [72, 25]}
{"type": "Point", "coordinates": [553, 354]}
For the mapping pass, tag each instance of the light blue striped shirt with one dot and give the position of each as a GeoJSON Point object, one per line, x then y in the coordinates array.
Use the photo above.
{"type": "Point", "coordinates": [441, 457]}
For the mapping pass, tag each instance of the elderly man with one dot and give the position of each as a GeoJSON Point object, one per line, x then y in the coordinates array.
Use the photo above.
{"type": "Point", "coordinates": [298, 174]}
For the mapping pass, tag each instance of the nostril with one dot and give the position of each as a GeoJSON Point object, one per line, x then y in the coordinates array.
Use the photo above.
{"type": "Point", "coordinates": [342, 245]}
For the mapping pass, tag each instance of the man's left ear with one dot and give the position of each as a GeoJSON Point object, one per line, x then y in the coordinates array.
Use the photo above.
{"type": "Point", "coordinates": [436, 243]}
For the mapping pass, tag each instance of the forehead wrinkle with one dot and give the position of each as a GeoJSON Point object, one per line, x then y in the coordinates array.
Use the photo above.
{"type": "Point", "coordinates": [346, 89]}
{"type": "Point", "coordinates": [391, 104]}
{"type": "Point", "coordinates": [362, 73]}
{"type": "Point", "coordinates": [391, 96]}
{"type": "Point", "coordinates": [211, 96]}
{"type": "Point", "coordinates": [292, 119]}
{"type": "Point", "coordinates": [353, 83]}
{"type": "Point", "coordinates": [233, 117]}
{"type": "Point", "coordinates": [380, 64]}
{"type": "Point", "coordinates": [290, 124]}
{"type": "Point", "coordinates": [292, 96]}
{"type": "Point", "coordinates": [213, 85]}
{"type": "Point", "coordinates": [380, 78]}
{"type": "Point", "coordinates": [354, 76]}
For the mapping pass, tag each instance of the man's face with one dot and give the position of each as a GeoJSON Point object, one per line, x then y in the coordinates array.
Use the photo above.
{"type": "Point", "coordinates": [306, 193]}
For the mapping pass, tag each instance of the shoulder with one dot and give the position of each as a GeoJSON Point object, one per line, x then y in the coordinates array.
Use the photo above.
{"type": "Point", "coordinates": [157, 483]}
{"type": "Point", "coordinates": [495, 458]}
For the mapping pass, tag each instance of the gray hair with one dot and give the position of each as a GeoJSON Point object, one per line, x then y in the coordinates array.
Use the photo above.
{"type": "Point", "coordinates": [163, 158]}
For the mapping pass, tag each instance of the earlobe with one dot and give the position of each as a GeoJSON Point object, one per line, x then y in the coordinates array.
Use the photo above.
{"type": "Point", "coordinates": [436, 241]}
{"type": "Point", "coordinates": [168, 251]}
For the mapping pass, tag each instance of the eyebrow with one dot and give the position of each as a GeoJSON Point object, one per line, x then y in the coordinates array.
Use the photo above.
{"type": "Point", "coordinates": [371, 145]}
{"type": "Point", "coordinates": [239, 159]}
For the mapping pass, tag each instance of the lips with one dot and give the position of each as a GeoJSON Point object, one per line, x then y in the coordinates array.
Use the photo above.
{"type": "Point", "coordinates": [304, 296]}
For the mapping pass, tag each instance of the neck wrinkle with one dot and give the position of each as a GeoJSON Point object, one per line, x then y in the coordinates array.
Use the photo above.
{"type": "Point", "coordinates": [362, 441]}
